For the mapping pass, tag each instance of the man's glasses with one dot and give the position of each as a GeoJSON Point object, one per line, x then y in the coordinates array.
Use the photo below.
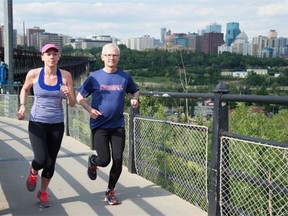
{"type": "Point", "coordinates": [111, 55]}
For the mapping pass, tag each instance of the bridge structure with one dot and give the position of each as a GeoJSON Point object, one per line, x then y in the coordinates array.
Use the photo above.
{"type": "Point", "coordinates": [227, 174]}
{"type": "Point", "coordinates": [72, 192]}
{"type": "Point", "coordinates": [25, 60]}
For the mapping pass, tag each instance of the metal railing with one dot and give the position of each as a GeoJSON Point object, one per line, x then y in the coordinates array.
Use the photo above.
{"type": "Point", "coordinates": [221, 172]}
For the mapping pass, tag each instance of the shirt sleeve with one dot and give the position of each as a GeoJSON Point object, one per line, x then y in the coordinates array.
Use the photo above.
{"type": "Point", "coordinates": [87, 87]}
{"type": "Point", "coordinates": [132, 87]}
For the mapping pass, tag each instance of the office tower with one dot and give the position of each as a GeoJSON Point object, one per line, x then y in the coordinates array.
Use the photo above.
{"type": "Point", "coordinates": [193, 41]}
{"type": "Point", "coordinates": [180, 39]}
{"type": "Point", "coordinates": [45, 38]}
{"type": "Point", "coordinates": [283, 46]}
{"type": "Point", "coordinates": [2, 29]}
{"type": "Point", "coordinates": [140, 43]}
{"type": "Point", "coordinates": [232, 30]}
{"type": "Point", "coordinates": [162, 33]}
{"type": "Point", "coordinates": [213, 27]}
{"type": "Point", "coordinates": [272, 34]}
{"type": "Point", "coordinates": [36, 31]}
{"type": "Point", "coordinates": [211, 41]}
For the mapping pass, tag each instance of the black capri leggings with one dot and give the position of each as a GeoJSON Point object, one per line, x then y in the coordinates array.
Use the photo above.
{"type": "Point", "coordinates": [46, 141]}
{"type": "Point", "coordinates": [103, 141]}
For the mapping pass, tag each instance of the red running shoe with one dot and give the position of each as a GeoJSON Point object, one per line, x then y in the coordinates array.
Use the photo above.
{"type": "Point", "coordinates": [31, 180]}
{"type": "Point", "coordinates": [43, 198]}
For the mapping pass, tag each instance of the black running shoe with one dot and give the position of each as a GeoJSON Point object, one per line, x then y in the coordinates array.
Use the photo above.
{"type": "Point", "coordinates": [111, 198]}
{"type": "Point", "coordinates": [92, 168]}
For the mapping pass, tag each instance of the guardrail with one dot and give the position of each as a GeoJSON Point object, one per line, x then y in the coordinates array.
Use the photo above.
{"type": "Point", "coordinates": [223, 173]}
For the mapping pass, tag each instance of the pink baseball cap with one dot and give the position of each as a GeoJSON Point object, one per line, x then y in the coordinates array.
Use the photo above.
{"type": "Point", "coordinates": [49, 46]}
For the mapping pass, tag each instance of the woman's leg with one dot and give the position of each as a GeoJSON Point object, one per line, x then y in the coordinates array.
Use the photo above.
{"type": "Point", "coordinates": [38, 139]}
{"type": "Point", "coordinates": [55, 134]}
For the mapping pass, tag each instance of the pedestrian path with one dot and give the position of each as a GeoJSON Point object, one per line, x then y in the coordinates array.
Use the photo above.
{"type": "Point", "coordinates": [71, 191]}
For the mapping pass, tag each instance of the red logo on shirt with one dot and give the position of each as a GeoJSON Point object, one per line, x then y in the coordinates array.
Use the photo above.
{"type": "Point", "coordinates": [111, 87]}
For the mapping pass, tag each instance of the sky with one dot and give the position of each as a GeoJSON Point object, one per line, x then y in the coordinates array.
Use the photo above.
{"type": "Point", "coordinates": [135, 18]}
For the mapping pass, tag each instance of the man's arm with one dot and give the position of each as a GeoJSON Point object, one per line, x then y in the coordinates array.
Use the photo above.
{"type": "Point", "coordinates": [81, 100]}
{"type": "Point", "coordinates": [135, 99]}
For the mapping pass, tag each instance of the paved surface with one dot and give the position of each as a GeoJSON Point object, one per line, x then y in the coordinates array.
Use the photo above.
{"type": "Point", "coordinates": [71, 191]}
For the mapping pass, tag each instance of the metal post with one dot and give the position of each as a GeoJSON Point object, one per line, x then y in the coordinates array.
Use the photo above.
{"type": "Point", "coordinates": [67, 118]}
{"type": "Point", "coordinates": [8, 42]}
{"type": "Point", "coordinates": [220, 122]}
{"type": "Point", "coordinates": [131, 162]}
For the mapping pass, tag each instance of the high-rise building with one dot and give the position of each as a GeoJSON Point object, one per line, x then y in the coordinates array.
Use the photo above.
{"type": "Point", "coordinates": [162, 34]}
{"type": "Point", "coordinates": [211, 41]}
{"type": "Point", "coordinates": [140, 43]}
{"type": "Point", "coordinates": [2, 37]}
{"type": "Point", "coordinates": [283, 46]}
{"type": "Point", "coordinates": [232, 31]}
{"type": "Point", "coordinates": [213, 27]}
{"type": "Point", "coordinates": [33, 31]}
{"type": "Point", "coordinates": [272, 34]}
{"type": "Point", "coordinates": [180, 39]}
{"type": "Point", "coordinates": [46, 38]}
{"type": "Point", "coordinates": [273, 41]}
{"type": "Point", "coordinates": [193, 41]}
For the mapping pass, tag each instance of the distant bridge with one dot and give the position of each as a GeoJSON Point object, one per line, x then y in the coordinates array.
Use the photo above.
{"type": "Point", "coordinates": [25, 60]}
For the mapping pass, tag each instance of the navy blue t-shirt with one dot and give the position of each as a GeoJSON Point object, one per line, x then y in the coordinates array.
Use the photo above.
{"type": "Point", "coordinates": [108, 91]}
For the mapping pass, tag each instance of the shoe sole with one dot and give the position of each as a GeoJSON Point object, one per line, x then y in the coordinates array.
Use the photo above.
{"type": "Point", "coordinates": [111, 203]}
{"type": "Point", "coordinates": [30, 188]}
{"type": "Point", "coordinates": [45, 205]}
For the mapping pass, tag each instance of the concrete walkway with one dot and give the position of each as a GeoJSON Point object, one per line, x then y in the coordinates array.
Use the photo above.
{"type": "Point", "coordinates": [71, 191]}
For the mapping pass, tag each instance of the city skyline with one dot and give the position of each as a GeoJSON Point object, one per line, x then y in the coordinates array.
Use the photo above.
{"type": "Point", "coordinates": [128, 19]}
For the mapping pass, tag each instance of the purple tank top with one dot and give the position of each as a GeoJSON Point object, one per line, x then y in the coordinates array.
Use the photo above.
{"type": "Point", "coordinates": [47, 106]}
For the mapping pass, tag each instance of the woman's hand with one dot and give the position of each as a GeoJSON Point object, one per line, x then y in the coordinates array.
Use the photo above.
{"type": "Point", "coordinates": [64, 89]}
{"type": "Point", "coordinates": [21, 112]}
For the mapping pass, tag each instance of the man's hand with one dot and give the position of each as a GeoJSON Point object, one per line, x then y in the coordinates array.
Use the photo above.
{"type": "Point", "coordinates": [134, 103]}
{"type": "Point", "coordinates": [94, 113]}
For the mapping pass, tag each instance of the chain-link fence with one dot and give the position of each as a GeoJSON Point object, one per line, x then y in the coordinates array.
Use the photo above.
{"type": "Point", "coordinates": [78, 127]}
{"type": "Point", "coordinates": [76, 119]}
{"type": "Point", "coordinates": [173, 155]}
{"type": "Point", "coordinates": [9, 105]}
{"type": "Point", "coordinates": [254, 178]}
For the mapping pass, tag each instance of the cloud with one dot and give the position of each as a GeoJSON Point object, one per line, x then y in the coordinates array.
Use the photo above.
{"type": "Point", "coordinates": [130, 18]}
{"type": "Point", "coordinates": [274, 9]}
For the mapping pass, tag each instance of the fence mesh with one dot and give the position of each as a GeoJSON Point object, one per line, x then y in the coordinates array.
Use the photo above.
{"type": "Point", "coordinates": [78, 123]}
{"type": "Point", "coordinates": [254, 178]}
{"type": "Point", "coordinates": [173, 155]}
{"type": "Point", "coordinates": [9, 105]}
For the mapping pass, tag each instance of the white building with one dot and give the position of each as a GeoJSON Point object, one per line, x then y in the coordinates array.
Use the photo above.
{"type": "Point", "coordinates": [204, 109]}
{"type": "Point", "coordinates": [224, 48]}
{"type": "Point", "coordinates": [258, 71]}
{"type": "Point", "coordinates": [140, 43]}
{"type": "Point", "coordinates": [240, 74]}
{"type": "Point", "coordinates": [241, 45]}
